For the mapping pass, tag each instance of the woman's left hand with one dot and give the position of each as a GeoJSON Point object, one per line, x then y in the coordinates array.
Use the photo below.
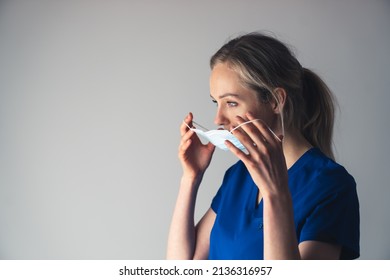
{"type": "Point", "coordinates": [265, 160]}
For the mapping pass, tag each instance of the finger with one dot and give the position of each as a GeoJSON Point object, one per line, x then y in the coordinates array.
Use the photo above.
{"type": "Point", "coordinates": [190, 134]}
{"type": "Point", "coordinates": [258, 130]}
{"type": "Point", "coordinates": [187, 136]}
{"type": "Point", "coordinates": [185, 149]}
{"type": "Point", "coordinates": [249, 144]}
{"type": "Point", "coordinates": [266, 131]}
{"type": "Point", "coordinates": [187, 121]}
{"type": "Point", "coordinates": [249, 135]}
{"type": "Point", "coordinates": [186, 141]}
{"type": "Point", "coordinates": [184, 146]}
{"type": "Point", "coordinates": [236, 151]}
{"type": "Point", "coordinates": [210, 147]}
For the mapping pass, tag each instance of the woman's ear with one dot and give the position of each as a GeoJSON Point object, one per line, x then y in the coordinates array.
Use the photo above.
{"type": "Point", "coordinates": [280, 96]}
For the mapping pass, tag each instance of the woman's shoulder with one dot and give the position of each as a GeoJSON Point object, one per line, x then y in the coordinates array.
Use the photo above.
{"type": "Point", "coordinates": [315, 168]}
{"type": "Point", "coordinates": [238, 166]}
{"type": "Point", "coordinates": [236, 174]}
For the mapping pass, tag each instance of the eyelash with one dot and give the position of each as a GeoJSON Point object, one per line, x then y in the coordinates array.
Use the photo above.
{"type": "Point", "coordinates": [229, 103]}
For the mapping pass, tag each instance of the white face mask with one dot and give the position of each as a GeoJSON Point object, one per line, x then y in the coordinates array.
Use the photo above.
{"type": "Point", "coordinates": [219, 136]}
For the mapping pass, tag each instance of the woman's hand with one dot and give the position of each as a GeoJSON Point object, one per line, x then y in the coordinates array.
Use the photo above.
{"type": "Point", "coordinates": [265, 159]}
{"type": "Point", "coordinates": [194, 156]}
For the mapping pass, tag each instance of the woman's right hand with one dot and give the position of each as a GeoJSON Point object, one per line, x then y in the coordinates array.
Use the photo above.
{"type": "Point", "coordinates": [194, 156]}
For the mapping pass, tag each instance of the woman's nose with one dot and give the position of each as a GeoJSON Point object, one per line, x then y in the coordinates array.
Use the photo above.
{"type": "Point", "coordinates": [220, 119]}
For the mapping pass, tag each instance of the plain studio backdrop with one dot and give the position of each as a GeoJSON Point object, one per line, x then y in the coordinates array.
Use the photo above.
{"type": "Point", "coordinates": [92, 94]}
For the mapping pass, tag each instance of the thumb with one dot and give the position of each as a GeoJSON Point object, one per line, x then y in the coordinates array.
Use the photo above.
{"type": "Point", "coordinates": [210, 146]}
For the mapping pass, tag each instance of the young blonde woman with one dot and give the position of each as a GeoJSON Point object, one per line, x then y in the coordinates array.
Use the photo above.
{"type": "Point", "coordinates": [286, 197]}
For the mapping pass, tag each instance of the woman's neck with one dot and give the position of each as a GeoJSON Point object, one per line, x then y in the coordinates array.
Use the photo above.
{"type": "Point", "coordinates": [294, 146]}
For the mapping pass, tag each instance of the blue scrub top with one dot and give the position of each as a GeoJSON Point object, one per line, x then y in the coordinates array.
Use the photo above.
{"type": "Point", "coordinates": [325, 205]}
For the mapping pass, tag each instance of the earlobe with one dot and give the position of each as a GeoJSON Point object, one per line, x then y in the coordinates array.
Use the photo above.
{"type": "Point", "coordinates": [280, 96]}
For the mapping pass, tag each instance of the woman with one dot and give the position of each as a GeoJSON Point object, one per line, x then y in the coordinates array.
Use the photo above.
{"type": "Point", "coordinates": [285, 198]}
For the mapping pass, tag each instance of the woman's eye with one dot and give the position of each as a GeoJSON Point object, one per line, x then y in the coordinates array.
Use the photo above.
{"type": "Point", "coordinates": [232, 104]}
{"type": "Point", "coordinates": [214, 101]}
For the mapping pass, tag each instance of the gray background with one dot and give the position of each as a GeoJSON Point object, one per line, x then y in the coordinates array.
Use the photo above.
{"type": "Point", "coordinates": [92, 94]}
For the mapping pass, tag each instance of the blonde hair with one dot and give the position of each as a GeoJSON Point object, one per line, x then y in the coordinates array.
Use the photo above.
{"type": "Point", "coordinates": [264, 64]}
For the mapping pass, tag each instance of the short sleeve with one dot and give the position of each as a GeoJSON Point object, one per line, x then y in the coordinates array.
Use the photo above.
{"type": "Point", "coordinates": [336, 220]}
{"type": "Point", "coordinates": [216, 201]}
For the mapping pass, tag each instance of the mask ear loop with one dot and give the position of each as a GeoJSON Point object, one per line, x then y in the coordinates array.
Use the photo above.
{"type": "Point", "coordinates": [187, 125]}
{"type": "Point", "coordinates": [281, 117]}
{"type": "Point", "coordinates": [251, 121]}
{"type": "Point", "coordinates": [196, 125]}
{"type": "Point", "coordinates": [281, 120]}
{"type": "Point", "coordinates": [194, 122]}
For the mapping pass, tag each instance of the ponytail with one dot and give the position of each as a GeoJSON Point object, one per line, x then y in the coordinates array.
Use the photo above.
{"type": "Point", "coordinates": [317, 126]}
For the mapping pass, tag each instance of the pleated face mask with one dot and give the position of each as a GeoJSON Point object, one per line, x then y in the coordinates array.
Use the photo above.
{"type": "Point", "coordinates": [219, 136]}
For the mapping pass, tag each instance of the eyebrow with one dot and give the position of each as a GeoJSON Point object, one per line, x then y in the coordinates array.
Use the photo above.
{"type": "Point", "coordinates": [227, 95]}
